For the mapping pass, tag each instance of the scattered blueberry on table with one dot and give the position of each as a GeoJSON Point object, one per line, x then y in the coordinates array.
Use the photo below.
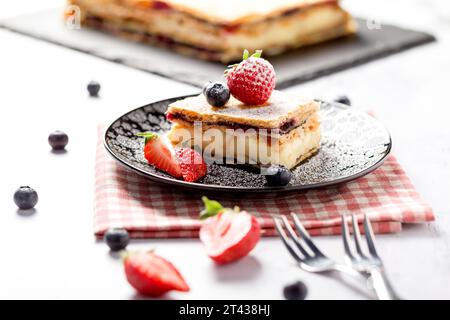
{"type": "Point", "coordinates": [217, 94]}
{"type": "Point", "coordinates": [26, 198]}
{"type": "Point", "coordinates": [58, 140]}
{"type": "Point", "coordinates": [117, 239]}
{"type": "Point", "coordinates": [277, 176]}
{"type": "Point", "coordinates": [93, 88]}
{"type": "Point", "coordinates": [295, 291]}
{"type": "Point", "coordinates": [344, 100]}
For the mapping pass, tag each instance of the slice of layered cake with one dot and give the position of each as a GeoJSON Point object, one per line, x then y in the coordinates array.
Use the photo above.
{"type": "Point", "coordinates": [285, 130]}
{"type": "Point", "coordinates": [219, 29]}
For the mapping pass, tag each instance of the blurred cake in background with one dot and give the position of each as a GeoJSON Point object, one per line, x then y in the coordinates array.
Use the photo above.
{"type": "Point", "coordinates": [219, 30]}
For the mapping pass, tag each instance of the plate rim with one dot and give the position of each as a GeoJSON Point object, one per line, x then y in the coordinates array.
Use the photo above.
{"type": "Point", "coordinates": [216, 188]}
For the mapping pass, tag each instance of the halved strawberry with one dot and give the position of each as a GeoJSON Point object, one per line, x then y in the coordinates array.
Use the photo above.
{"type": "Point", "coordinates": [228, 234]}
{"type": "Point", "coordinates": [152, 275]}
{"type": "Point", "coordinates": [193, 167]}
{"type": "Point", "coordinates": [160, 154]}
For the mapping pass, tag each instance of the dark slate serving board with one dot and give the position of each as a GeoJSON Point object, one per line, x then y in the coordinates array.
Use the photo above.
{"type": "Point", "coordinates": [293, 67]}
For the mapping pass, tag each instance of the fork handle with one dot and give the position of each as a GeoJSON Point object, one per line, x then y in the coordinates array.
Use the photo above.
{"type": "Point", "coordinates": [382, 285]}
{"type": "Point", "coordinates": [342, 268]}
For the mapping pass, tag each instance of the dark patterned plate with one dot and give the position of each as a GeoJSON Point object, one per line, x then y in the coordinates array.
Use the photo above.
{"type": "Point", "coordinates": [354, 144]}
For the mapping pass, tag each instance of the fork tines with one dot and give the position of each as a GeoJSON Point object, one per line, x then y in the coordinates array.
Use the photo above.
{"type": "Point", "coordinates": [370, 238]}
{"type": "Point", "coordinates": [300, 245]}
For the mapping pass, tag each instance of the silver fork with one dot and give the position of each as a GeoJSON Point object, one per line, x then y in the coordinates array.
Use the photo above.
{"type": "Point", "coordinates": [370, 264]}
{"type": "Point", "coordinates": [306, 253]}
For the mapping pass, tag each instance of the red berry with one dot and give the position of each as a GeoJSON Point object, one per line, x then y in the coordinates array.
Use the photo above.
{"type": "Point", "coordinates": [192, 165]}
{"type": "Point", "coordinates": [228, 235]}
{"type": "Point", "coordinates": [253, 80]}
{"type": "Point", "coordinates": [152, 275]}
{"type": "Point", "coordinates": [160, 154]}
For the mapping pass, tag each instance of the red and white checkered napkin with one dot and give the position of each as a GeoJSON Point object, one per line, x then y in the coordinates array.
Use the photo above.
{"type": "Point", "coordinates": [146, 209]}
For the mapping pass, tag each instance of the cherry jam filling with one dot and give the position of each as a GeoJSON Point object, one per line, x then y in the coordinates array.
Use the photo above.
{"type": "Point", "coordinates": [286, 127]}
{"type": "Point", "coordinates": [160, 5]}
{"type": "Point", "coordinates": [164, 41]}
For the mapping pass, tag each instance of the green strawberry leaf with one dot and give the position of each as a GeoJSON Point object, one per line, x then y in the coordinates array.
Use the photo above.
{"type": "Point", "coordinates": [257, 54]}
{"type": "Point", "coordinates": [245, 55]}
{"type": "Point", "coordinates": [148, 136]}
{"type": "Point", "coordinates": [212, 208]}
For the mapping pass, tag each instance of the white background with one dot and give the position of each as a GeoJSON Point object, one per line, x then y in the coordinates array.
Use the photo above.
{"type": "Point", "coordinates": [53, 254]}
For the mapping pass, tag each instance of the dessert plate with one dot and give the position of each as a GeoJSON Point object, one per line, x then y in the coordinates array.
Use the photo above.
{"type": "Point", "coordinates": [354, 144]}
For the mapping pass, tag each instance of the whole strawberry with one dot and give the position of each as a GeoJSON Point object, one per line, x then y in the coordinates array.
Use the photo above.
{"type": "Point", "coordinates": [251, 81]}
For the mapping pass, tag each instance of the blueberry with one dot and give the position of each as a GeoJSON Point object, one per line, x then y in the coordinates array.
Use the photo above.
{"type": "Point", "coordinates": [217, 94]}
{"type": "Point", "coordinates": [278, 176]}
{"type": "Point", "coordinates": [93, 88]}
{"type": "Point", "coordinates": [26, 198]}
{"type": "Point", "coordinates": [343, 100]}
{"type": "Point", "coordinates": [117, 239]}
{"type": "Point", "coordinates": [58, 140]}
{"type": "Point", "coordinates": [295, 291]}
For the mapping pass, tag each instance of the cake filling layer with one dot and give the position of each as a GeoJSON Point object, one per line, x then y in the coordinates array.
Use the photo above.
{"type": "Point", "coordinates": [284, 128]}
{"type": "Point", "coordinates": [240, 148]}
{"type": "Point", "coordinates": [159, 40]}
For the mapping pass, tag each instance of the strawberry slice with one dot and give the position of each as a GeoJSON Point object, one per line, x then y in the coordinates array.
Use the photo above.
{"type": "Point", "coordinates": [160, 154]}
{"type": "Point", "coordinates": [193, 167]}
{"type": "Point", "coordinates": [152, 275]}
{"type": "Point", "coordinates": [227, 234]}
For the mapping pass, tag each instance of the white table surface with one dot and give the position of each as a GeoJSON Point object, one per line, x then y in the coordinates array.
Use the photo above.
{"type": "Point", "coordinates": [53, 254]}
